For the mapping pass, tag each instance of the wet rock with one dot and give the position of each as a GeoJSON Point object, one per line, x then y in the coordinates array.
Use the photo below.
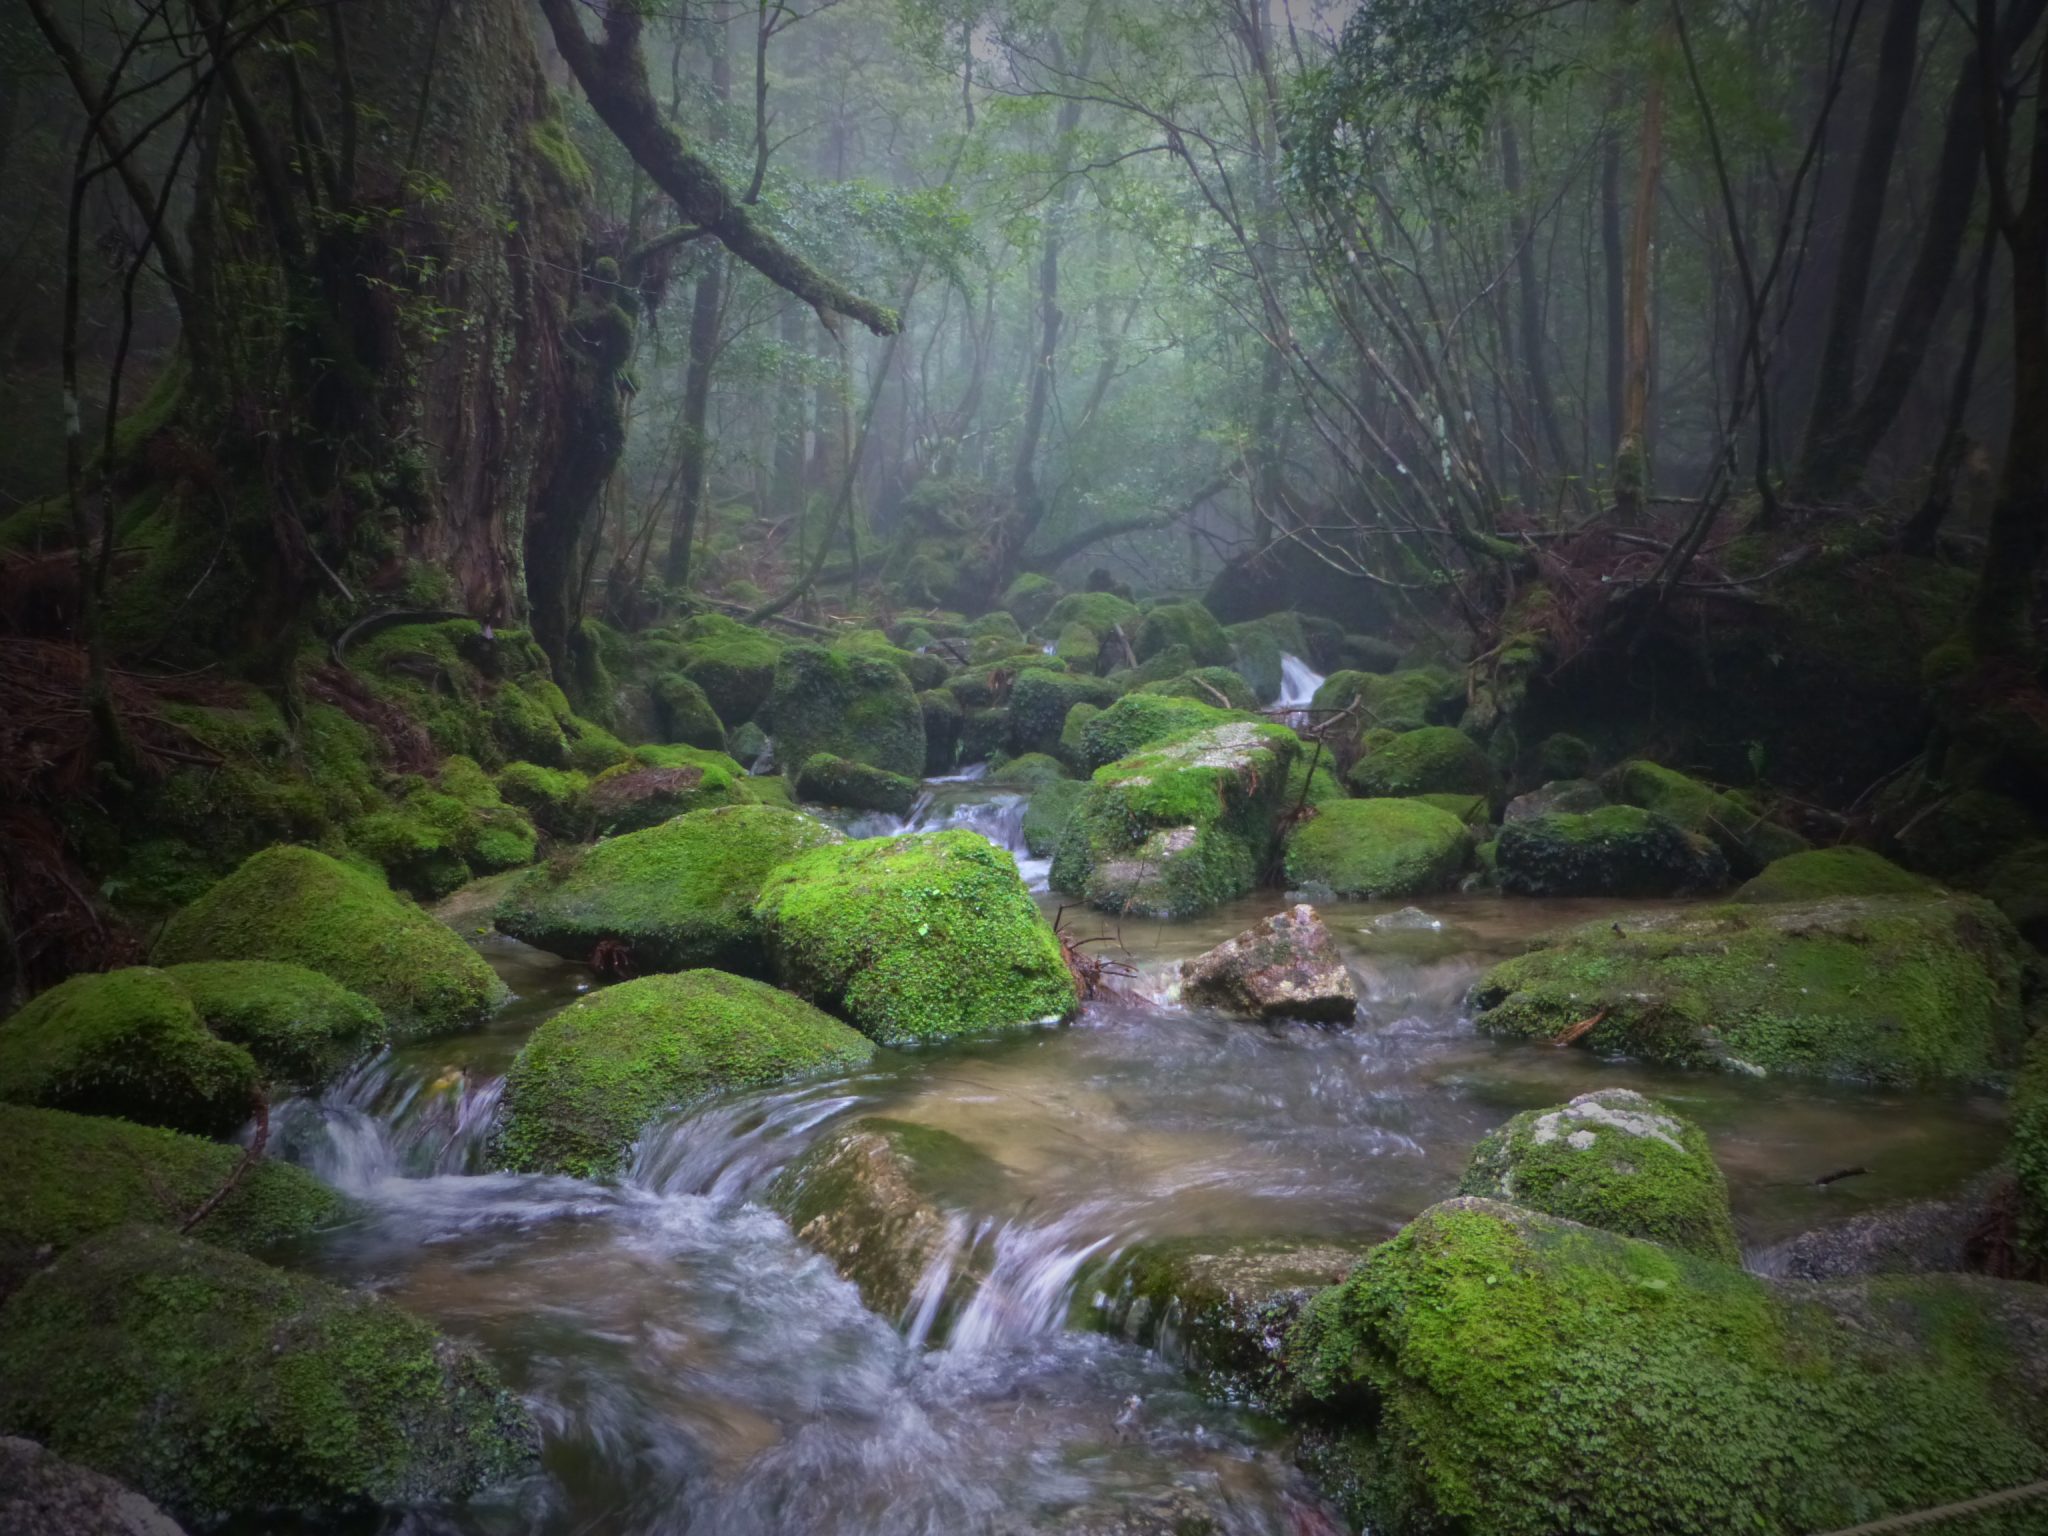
{"type": "Point", "coordinates": [222, 1388]}
{"type": "Point", "coordinates": [1620, 850]}
{"type": "Point", "coordinates": [1911, 1238]}
{"type": "Point", "coordinates": [1571, 797]}
{"type": "Point", "coordinates": [1287, 967]}
{"type": "Point", "coordinates": [45, 1495]}
{"type": "Point", "coordinates": [1615, 1160]}
{"type": "Point", "coordinates": [1893, 989]}
{"type": "Point", "coordinates": [1377, 848]}
{"type": "Point", "coordinates": [829, 780]}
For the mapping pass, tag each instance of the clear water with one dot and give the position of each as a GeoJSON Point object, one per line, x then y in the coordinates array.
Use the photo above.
{"type": "Point", "coordinates": [696, 1370]}
{"type": "Point", "coordinates": [1298, 683]}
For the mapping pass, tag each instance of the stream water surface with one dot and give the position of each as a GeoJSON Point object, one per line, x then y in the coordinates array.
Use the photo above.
{"type": "Point", "coordinates": [696, 1370]}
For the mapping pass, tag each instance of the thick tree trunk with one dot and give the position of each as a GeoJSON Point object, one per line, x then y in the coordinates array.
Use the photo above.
{"type": "Point", "coordinates": [1614, 287]}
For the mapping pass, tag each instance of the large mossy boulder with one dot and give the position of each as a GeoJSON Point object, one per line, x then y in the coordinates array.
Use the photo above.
{"type": "Point", "coordinates": [732, 664]}
{"type": "Point", "coordinates": [1287, 967]}
{"type": "Point", "coordinates": [1137, 721]}
{"type": "Point", "coordinates": [684, 713]}
{"type": "Point", "coordinates": [1893, 989]}
{"type": "Point", "coordinates": [1823, 872]}
{"type": "Point", "coordinates": [1040, 702]}
{"type": "Point", "coordinates": [914, 938]}
{"type": "Point", "coordinates": [222, 1388]}
{"type": "Point", "coordinates": [1618, 850]}
{"type": "Point", "coordinates": [296, 905]}
{"type": "Point", "coordinates": [1496, 1370]}
{"type": "Point", "coordinates": [1181, 827]}
{"type": "Point", "coordinates": [661, 783]}
{"type": "Point", "coordinates": [1212, 685]}
{"type": "Point", "coordinates": [303, 1029]}
{"type": "Point", "coordinates": [1394, 701]}
{"type": "Point", "coordinates": [65, 1177]}
{"type": "Point", "coordinates": [1437, 760]}
{"type": "Point", "coordinates": [677, 896]}
{"type": "Point", "coordinates": [1188, 625]}
{"type": "Point", "coordinates": [1748, 841]}
{"type": "Point", "coordinates": [828, 780]}
{"type": "Point", "coordinates": [853, 706]}
{"type": "Point", "coordinates": [1372, 849]}
{"type": "Point", "coordinates": [1615, 1160]}
{"type": "Point", "coordinates": [597, 1074]}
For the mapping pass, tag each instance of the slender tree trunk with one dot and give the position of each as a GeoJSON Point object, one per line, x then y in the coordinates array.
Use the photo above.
{"type": "Point", "coordinates": [1918, 536]}
{"type": "Point", "coordinates": [1529, 293]}
{"type": "Point", "coordinates": [1615, 286]}
{"type": "Point", "coordinates": [786, 489]}
{"type": "Point", "coordinates": [1631, 454]}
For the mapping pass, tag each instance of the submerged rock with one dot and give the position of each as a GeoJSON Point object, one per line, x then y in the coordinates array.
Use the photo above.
{"type": "Point", "coordinates": [1287, 967]}
{"type": "Point", "coordinates": [1893, 989]}
{"type": "Point", "coordinates": [45, 1495]}
{"type": "Point", "coordinates": [1620, 850]}
{"type": "Point", "coordinates": [223, 1388]}
{"type": "Point", "coordinates": [595, 1075]}
{"type": "Point", "coordinates": [853, 706]}
{"type": "Point", "coordinates": [913, 938]}
{"type": "Point", "coordinates": [829, 780]}
{"type": "Point", "coordinates": [1377, 848]}
{"type": "Point", "coordinates": [296, 905]}
{"type": "Point", "coordinates": [1913, 1237]}
{"type": "Point", "coordinates": [1615, 1160]}
{"type": "Point", "coordinates": [1490, 1367]}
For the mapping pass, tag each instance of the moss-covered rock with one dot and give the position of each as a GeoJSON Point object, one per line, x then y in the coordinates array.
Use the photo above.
{"type": "Point", "coordinates": [220, 1387]}
{"type": "Point", "coordinates": [732, 664]}
{"type": "Point", "coordinates": [746, 744]}
{"type": "Point", "coordinates": [1377, 848]}
{"type": "Point", "coordinates": [829, 780]}
{"type": "Point", "coordinates": [1561, 755]}
{"type": "Point", "coordinates": [1892, 989]}
{"type": "Point", "coordinates": [1437, 760]}
{"type": "Point", "coordinates": [983, 734]}
{"type": "Point", "coordinates": [1394, 701]}
{"type": "Point", "coordinates": [553, 797]}
{"type": "Point", "coordinates": [1030, 598]}
{"type": "Point", "coordinates": [597, 1074]}
{"type": "Point", "coordinates": [304, 1029]}
{"type": "Point", "coordinates": [1821, 872]}
{"type": "Point", "coordinates": [1099, 611]}
{"type": "Point", "coordinates": [914, 938]}
{"type": "Point", "coordinates": [1748, 841]}
{"type": "Point", "coordinates": [1212, 685]}
{"type": "Point", "coordinates": [684, 714]}
{"type": "Point", "coordinates": [296, 905]}
{"type": "Point", "coordinates": [677, 896]}
{"type": "Point", "coordinates": [2030, 1148]}
{"type": "Point", "coordinates": [1496, 1370]}
{"type": "Point", "coordinates": [1960, 834]}
{"type": "Point", "coordinates": [1047, 813]}
{"type": "Point", "coordinates": [849, 705]}
{"type": "Point", "coordinates": [1180, 827]}
{"type": "Point", "coordinates": [1040, 702]}
{"type": "Point", "coordinates": [1255, 651]}
{"type": "Point", "coordinates": [127, 1043]}
{"type": "Point", "coordinates": [1570, 797]}
{"type": "Point", "coordinates": [923, 670]}
{"type": "Point", "coordinates": [1079, 647]}
{"type": "Point", "coordinates": [2018, 885]}
{"type": "Point", "coordinates": [662, 783]}
{"type": "Point", "coordinates": [942, 722]}
{"type": "Point", "coordinates": [1140, 720]}
{"type": "Point", "coordinates": [1615, 1160]}
{"type": "Point", "coordinates": [876, 1199]}
{"type": "Point", "coordinates": [64, 1177]}
{"type": "Point", "coordinates": [1619, 850]}
{"type": "Point", "coordinates": [1186, 624]}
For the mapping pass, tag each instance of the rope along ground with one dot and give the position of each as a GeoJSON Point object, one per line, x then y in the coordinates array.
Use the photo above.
{"type": "Point", "coordinates": [1976, 1506]}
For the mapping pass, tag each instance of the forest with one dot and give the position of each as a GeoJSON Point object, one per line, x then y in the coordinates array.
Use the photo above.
{"type": "Point", "coordinates": [1023, 767]}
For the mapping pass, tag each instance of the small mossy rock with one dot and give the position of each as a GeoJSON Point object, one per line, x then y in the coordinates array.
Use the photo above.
{"type": "Point", "coordinates": [1373, 849]}
{"type": "Point", "coordinates": [554, 797]}
{"type": "Point", "coordinates": [304, 1029]}
{"type": "Point", "coordinates": [1072, 731]}
{"type": "Point", "coordinates": [127, 1043]}
{"type": "Point", "coordinates": [1395, 701]}
{"type": "Point", "coordinates": [2018, 885]}
{"type": "Point", "coordinates": [1212, 685]}
{"type": "Point", "coordinates": [942, 722]}
{"type": "Point", "coordinates": [662, 783]}
{"type": "Point", "coordinates": [1286, 967]}
{"type": "Point", "coordinates": [1046, 815]}
{"type": "Point", "coordinates": [1437, 760]}
{"type": "Point", "coordinates": [1495, 1370]}
{"type": "Point", "coordinates": [1748, 841]}
{"type": "Point", "coordinates": [1030, 598]}
{"type": "Point", "coordinates": [999, 625]}
{"type": "Point", "coordinates": [1891, 989]}
{"type": "Point", "coordinates": [983, 734]}
{"type": "Point", "coordinates": [597, 1074]}
{"type": "Point", "coordinates": [1562, 755]}
{"type": "Point", "coordinates": [1040, 702]}
{"type": "Point", "coordinates": [296, 905]}
{"type": "Point", "coordinates": [1181, 827]}
{"type": "Point", "coordinates": [678, 896]}
{"type": "Point", "coordinates": [1615, 1160]}
{"type": "Point", "coordinates": [45, 1495]}
{"type": "Point", "coordinates": [875, 1199]}
{"type": "Point", "coordinates": [732, 664]}
{"type": "Point", "coordinates": [222, 1388]}
{"type": "Point", "coordinates": [1566, 797]}
{"type": "Point", "coordinates": [684, 714]}
{"type": "Point", "coordinates": [1189, 625]}
{"type": "Point", "coordinates": [1620, 850]}
{"type": "Point", "coordinates": [1099, 611]}
{"type": "Point", "coordinates": [1217, 1306]}
{"type": "Point", "coordinates": [852, 706]}
{"type": "Point", "coordinates": [1961, 835]}
{"type": "Point", "coordinates": [1255, 656]}
{"type": "Point", "coordinates": [1140, 720]}
{"type": "Point", "coordinates": [915, 938]}
{"type": "Point", "coordinates": [1823, 872]}
{"type": "Point", "coordinates": [1080, 648]}
{"type": "Point", "coordinates": [829, 780]}
{"type": "Point", "coordinates": [1033, 770]}
{"type": "Point", "coordinates": [746, 744]}
{"type": "Point", "coordinates": [65, 1177]}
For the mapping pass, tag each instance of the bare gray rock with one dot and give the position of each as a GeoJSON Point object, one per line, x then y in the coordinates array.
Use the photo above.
{"type": "Point", "coordinates": [1287, 967]}
{"type": "Point", "coordinates": [44, 1495]}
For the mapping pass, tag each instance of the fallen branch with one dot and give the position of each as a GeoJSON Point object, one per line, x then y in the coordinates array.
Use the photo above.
{"type": "Point", "coordinates": [254, 1154]}
{"type": "Point", "coordinates": [1583, 1028]}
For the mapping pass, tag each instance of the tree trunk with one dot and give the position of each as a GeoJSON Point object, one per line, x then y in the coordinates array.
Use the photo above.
{"type": "Point", "coordinates": [1615, 287]}
{"type": "Point", "coordinates": [786, 489]}
{"type": "Point", "coordinates": [1529, 293]}
{"type": "Point", "coordinates": [1631, 454]}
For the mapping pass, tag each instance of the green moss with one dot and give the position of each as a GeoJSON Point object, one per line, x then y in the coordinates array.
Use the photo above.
{"type": "Point", "coordinates": [1030, 598]}
{"type": "Point", "coordinates": [523, 727]}
{"type": "Point", "coordinates": [684, 714]}
{"type": "Point", "coordinates": [1079, 647]}
{"type": "Point", "coordinates": [1473, 810]}
{"type": "Point", "coordinates": [303, 1029]}
{"type": "Point", "coordinates": [1618, 850]}
{"type": "Point", "coordinates": [1184, 624]}
{"type": "Point", "coordinates": [1040, 702]}
{"type": "Point", "coordinates": [1255, 655]}
{"type": "Point", "coordinates": [1395, 701]}
{"type": "Point", "coordinates": [915, 938]}
{"type": "Point", "coordinates": [1033, 770]}
{"type": "Point", "coordinates": [678, 896]}
{"type": "Point", "coordinates": [598, 1073]}
{"type": "Point", "coordinates": [554, 797]}
{"type": "Point", "coordinates": [1212, 685]}
{"type": "Point", "coordinates": [2018, 885]}
{"type": "Point", "coordinates": [1378, 848]}
{"type": "Point", "coordinates": [2030, 1147]}
{"type": "Point", "coordinates": [592, 748]}
{"type": "Point", "coordinates": [829, 780]}
{"type": "Point", "coordinates": [1496, 1371]}
{"type": "Point", "coordinates": [1964, 832]}
{"type": "Point", "coordinates": [851, 706]}
{"type": "Point", "coordinates": [64, 1177]}
{"type": "Point", "coordinates": [1437, 760]}
{"type": "Point", "coordinates": [662, 783]}
{"type": "Point", "coordinates": [1613, 1160]}
{"type": "Point", "coordinates": [1140, 720]}
{"type": "Point", "coordinates": [1099, 611]}
{"type": "Point", "coordinates": [127, 1043]}
{"type": "Point", "coordinates": [295, 905]}
{"type": "Point", "coordinates": [1894, 989]}
{"type": "Point", "coordinates": [922, 671]}
{"type": "Point", "coordinates": [983, 734]}
{"type": "Point", "coordinates": [1747, 840]}
{"type": "Point", "coordinates": [1047, 813]}
{"type": "Point", "coordinates": [1844, 871]}
{"type": "Point", "coordinates": [219, 1387]}
{"type": "Point", "coordinates": [1563, 756]}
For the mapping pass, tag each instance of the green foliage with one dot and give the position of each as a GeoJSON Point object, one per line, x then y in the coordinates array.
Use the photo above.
{"type": "Point", "coordinates": [1377, 848]}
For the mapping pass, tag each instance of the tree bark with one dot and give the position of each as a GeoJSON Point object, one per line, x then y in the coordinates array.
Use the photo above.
{"type": "Point", "coordinates": [1616, 284]}
{"type": "Point", "coordinates": [1631, 454]}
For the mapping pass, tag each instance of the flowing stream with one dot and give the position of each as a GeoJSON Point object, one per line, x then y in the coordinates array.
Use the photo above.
{"type": "Point", "coordinates": [696, 1370]}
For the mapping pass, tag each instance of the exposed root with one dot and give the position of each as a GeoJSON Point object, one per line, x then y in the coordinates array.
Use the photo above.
{"type": "Point", "coordinates": [1094, 977]}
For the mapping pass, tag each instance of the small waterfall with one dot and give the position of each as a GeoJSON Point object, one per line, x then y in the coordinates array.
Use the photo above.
{"type": "Point", "coordinates": [387, 1120]}
{"type": "Point", "coordinates": [999, 817]}
{"type": "Point", "coordinates": [1029, 1282]}
{"type": "Point", "coordinates": [1298, 684]}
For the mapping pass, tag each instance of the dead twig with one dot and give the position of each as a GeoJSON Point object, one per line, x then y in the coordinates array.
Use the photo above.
{"type": "Point", "coordinates": [1583, 1028]}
